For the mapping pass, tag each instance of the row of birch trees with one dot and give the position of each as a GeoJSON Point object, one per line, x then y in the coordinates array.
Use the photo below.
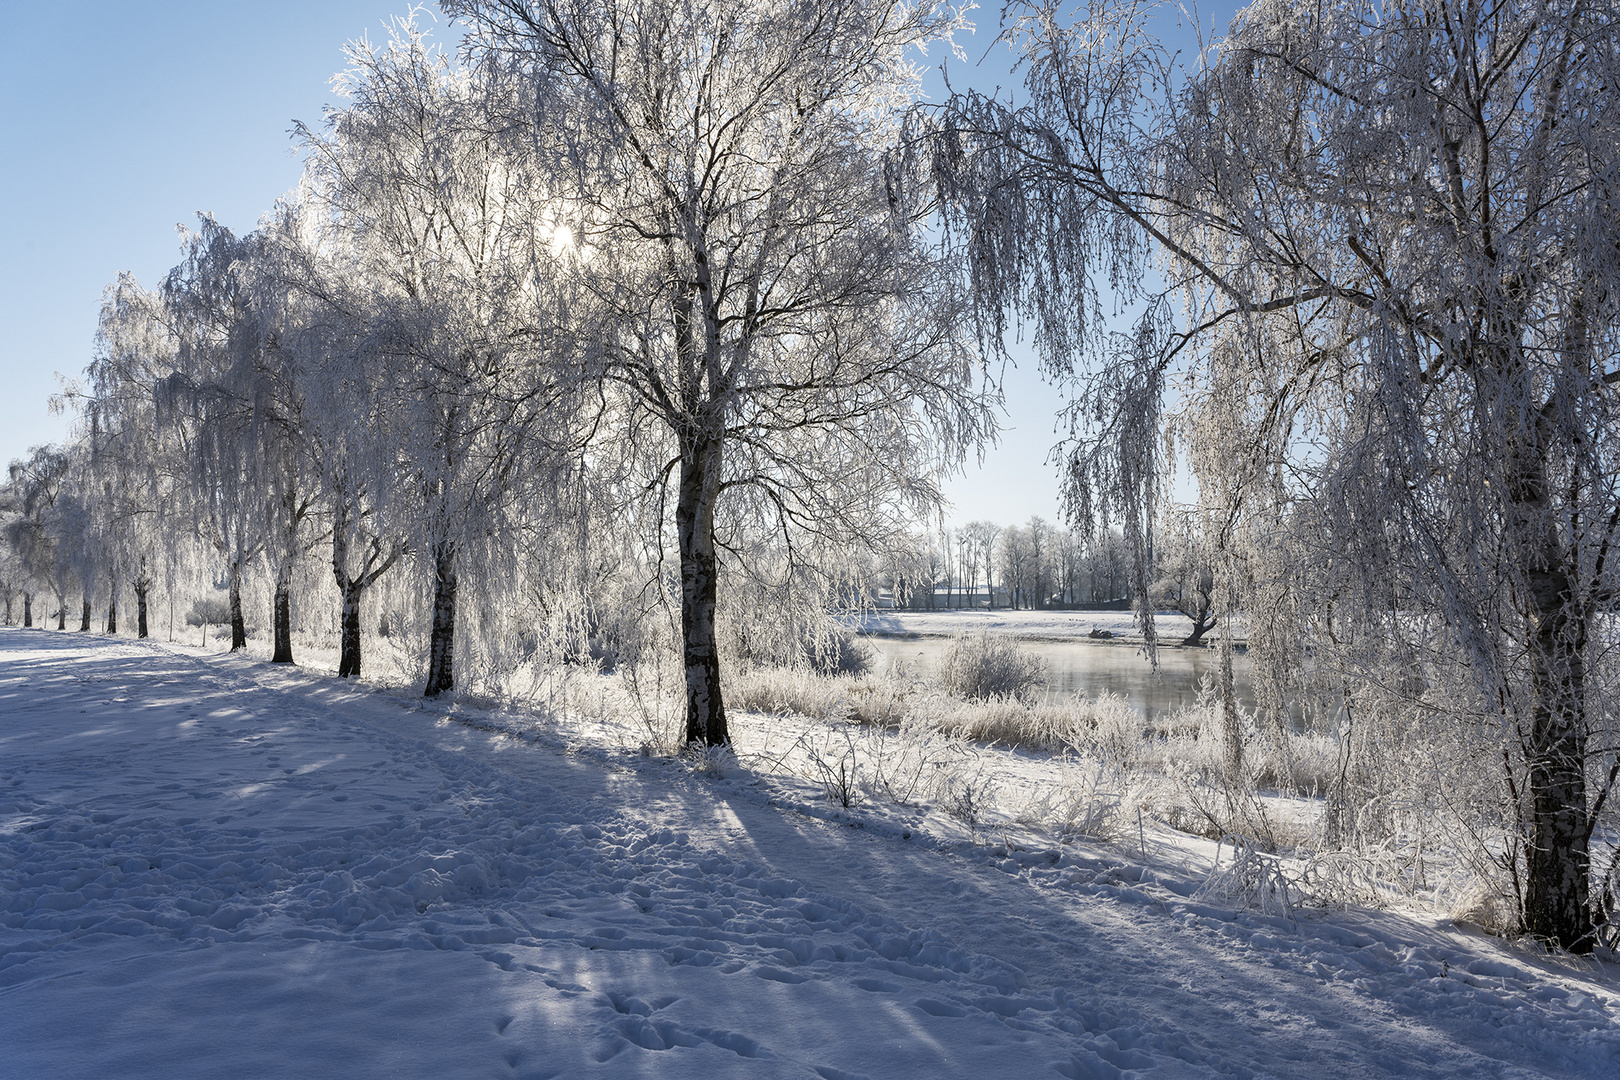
{"type": "Point", "coordinates": [637, 279]}
{"type": "Point", "coordinates": [623, 290]}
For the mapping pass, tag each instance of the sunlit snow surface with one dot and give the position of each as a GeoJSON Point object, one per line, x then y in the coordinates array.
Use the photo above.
{"type": "Point", "coordinates": [211, 867]}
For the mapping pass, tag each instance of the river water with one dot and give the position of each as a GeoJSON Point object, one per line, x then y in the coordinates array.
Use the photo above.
{"type": "Point", "coordinates": [1088, 669]}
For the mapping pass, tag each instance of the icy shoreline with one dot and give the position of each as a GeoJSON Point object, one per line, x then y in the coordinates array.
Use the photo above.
{"type": "Point", "coordinates": [1059, 626]}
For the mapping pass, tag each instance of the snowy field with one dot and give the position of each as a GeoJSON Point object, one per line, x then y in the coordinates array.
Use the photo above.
{"type": "Point", "coordinates": [212, 867]}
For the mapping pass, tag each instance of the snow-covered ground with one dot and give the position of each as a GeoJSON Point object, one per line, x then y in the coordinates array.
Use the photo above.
{"type": "Point", "coordinates": [213, 867]}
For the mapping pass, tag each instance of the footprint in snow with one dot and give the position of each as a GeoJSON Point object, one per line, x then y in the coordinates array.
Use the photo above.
{"type": "Point", "coordinates": [778, 975]}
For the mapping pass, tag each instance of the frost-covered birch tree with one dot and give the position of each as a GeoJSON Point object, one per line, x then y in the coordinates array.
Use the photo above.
{"type": "Point", "coordinates": [347, 405]}
{"type": "Point", "coordinates": [132, 471]}
{"type": "Point", "coordinates": [416, 170]}
{"type": "Point", "coordinates": [1387, 238]}
{"type": "Point", "coordinates": [756, 296]}
{"type": "Point", "coordinates": [37, 483]}
{"type": "Point", "coordinates": [232, 405]}
{"type": "Point", "coordinates": [13, 577]}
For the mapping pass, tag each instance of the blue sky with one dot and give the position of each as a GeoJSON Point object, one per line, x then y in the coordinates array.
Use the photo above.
{"type": "Point", "coordinates": [122, 121]}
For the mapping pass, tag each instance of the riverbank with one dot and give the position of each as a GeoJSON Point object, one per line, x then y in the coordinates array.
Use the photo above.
{"type": "Point", "coordinates": [1057, 626]}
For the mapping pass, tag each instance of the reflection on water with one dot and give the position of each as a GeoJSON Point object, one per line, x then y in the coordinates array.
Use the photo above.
{"type": "Point", "coordinates": [1089, 669]}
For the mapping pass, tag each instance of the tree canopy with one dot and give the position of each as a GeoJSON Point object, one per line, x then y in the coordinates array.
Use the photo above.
{"type": "Point", "coordinates": [1385, 237]}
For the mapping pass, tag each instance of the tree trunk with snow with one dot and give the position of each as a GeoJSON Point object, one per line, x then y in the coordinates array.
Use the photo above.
{"type": "Point", "coordinates": [84, 617]}
{"type": "Point", "coordinates": [282, 653]}
{"type": "Point", "coordinates": [112, 614]}
{"type": "Point", "coordinates": [352, 585]}
{"type": "Point", "coordinates": [1557, 860]}
{"type": "Point", "coordinates": [349, 589]}
{"type": "Point", "coordinates": [28, 610]}
{"type": "Point", "coordinates": [143, 586]}
{"type": "Point", "coordinates": [442, 644]}
{"type": "Point", "coordinates": [293, 510]}
{"type": "Point", "coordinates": [238, 623]}
{"type": "Point", "coordinates": [349, 657]}
{"type": "Point", "coordinates": [694, 524]}
{"type": "Point", "coordinates": [1200, 628]}
{"type": "Point", "coordinates": [1557, 624]}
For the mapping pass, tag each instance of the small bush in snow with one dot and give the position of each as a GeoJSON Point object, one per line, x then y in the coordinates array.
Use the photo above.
{"type": "Point", "coordinates": [982, 667]}
{"type": "Point", "coordinates": [966, 794]}
{"type": "Point", "coordinates": [1488, 906]}
{"type": "Point", "coordinates": [1092, 801]}
{"type": "Point", "coordinates": [1339, 879]}
{"type": "Point", "coordinates": [905, 760]}
{"type": "Point", "coordinates": [1202, 801]}
{"type": "Point", "coordinates": [214, 610]}
{"type": "Point", "coordinates": [716, 761]}
{"type": "Point", "coordinates": [837, 651]}
{"type": "Point", "coordinates": [1250, 877]}
{"type": "Point", "coordinates": [780, 690]}
{"type": "Point", "coordinates": [836, 765]}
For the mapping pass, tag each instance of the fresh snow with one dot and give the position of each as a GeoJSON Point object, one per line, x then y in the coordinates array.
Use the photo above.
{"type": "Point", "coordinates": [216, 867]}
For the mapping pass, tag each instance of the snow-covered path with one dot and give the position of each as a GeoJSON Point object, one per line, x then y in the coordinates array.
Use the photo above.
{"type": "Point", "coordinates": [212, 867]}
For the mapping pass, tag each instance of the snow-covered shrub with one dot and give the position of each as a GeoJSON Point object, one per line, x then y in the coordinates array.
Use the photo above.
{"type": "Point", "coordinates": [1003, 721]}
{"type": "Point", "coordinates": [1607, 902]}
{"type": "Point", "coordinates": [1250, 877]}
{"type": "Point", "coordinates": [214, 610]}
{"type": "Point", "coordinates": [769, 689]}
{"type": "Point", "coordinates": [835, 650]}
{"type": "Point", "coordinates": [1489, 906]}
{"type": "Point", "coordinates": [872, 701]}
{"type": "Point", "coordinates": [714, 761]}
{"type": "Point", "coordinates": [1117, 732]}
{"type": "Point", "coordinates": [906, 761]}
{"type": "Point", "coordinates": [836, 763]}
{"type": "Point", "coordinates": [1074, 725]}
{"type": "Point", "coordinates": [1339, 879]}
{"type": "Point", "coordinates": [1092, 801]}
{"type": "Point", "coordinates": [1302, 763]}
{"type": "Point", "coordinates": [985, 666]}
{"type": "Point", "coordinates": [1197, 797]}
{"type": "Point", "coordinates": [657, 700]}
{"type": "Point", "coordinates": [880, 702]}
{"type": "Point", "coordinates": [964, 791]}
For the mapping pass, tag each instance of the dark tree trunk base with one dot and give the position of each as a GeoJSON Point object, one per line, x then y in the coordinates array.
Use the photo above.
{"type": "Point", "coordinates": [1199, 630]}
{"type": "Point", "coordinates": [349, 659]}
{"type": "Point", "coordinates": [694, 524]}
{"type": "Point", "coordinates": [282, 653]}
{"type": "Point", "coordinates": [442, 646]}
{"type": "Point", "coordinates": [238, 623]}
{"type": "Point", "coordinates": [351, 587]}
